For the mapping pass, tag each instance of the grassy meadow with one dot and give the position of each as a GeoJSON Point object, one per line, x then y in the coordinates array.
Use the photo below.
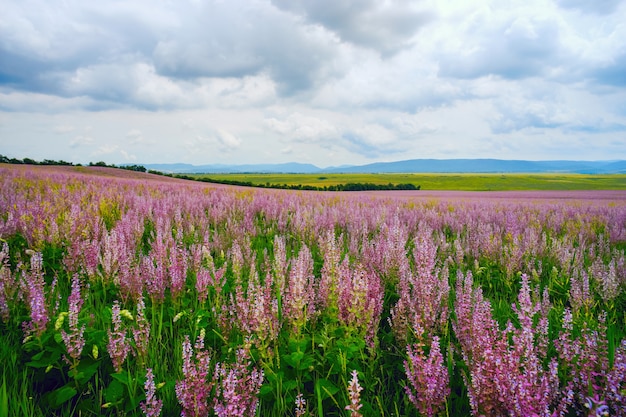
{"type": "Point", "coordinates": [458, 182]}
{"type": "Point", "coordinates": [130, 294]}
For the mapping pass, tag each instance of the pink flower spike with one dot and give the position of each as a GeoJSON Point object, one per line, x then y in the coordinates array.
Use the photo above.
{"type": "Point", "coordinates": [354, 392]}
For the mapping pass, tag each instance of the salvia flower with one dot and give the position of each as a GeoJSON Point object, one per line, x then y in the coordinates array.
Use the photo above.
{"type": "Point", "coordinates": [117, 346]}
{"type": "Point", "coordinates": [141, 335]}
{"type": "Point", "coordinates": [428, 380]}
{"type": "Point", "coordinates": [237, 387]}
{"type": "Point", "coordinates": [354, 392]}
{"type": "Point", "coordinates": [194, 389]}
{"type": "Point", "coordinates": [300, 410]}
{"type": "Point", "coordinates": [74, 340]}
{"type": "Point", "coordinates": [152, 406]}
{"type": "Point", "coordinates": [34, 288]}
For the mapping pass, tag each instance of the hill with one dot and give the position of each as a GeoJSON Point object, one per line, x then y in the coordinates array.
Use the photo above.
{"type": "Point", "coordinates": [411, 166]}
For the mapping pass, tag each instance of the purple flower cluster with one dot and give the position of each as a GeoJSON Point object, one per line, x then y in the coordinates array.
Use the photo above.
{"type": "Point", "coordinates": [118, 346]}
{"type": "Point", "coordinates": [7, 284]}
{"type": "Point", "coordinates": [33, 288]}
{"type": "Point", "coordinates": [74, 340]}
{"type": "Point", "coordinates": [427, 377]}
{"type": "Point", "coordinates": [141, 334]}
{"type": "Point", "coordinates": [354, 394]}
{"type": "Point", "coordinates": [360, 301]}
{"type": "Point", "coordinates": [152, 406]}
{"type": "Point", "coordinates": [234, 386]}
{"type": "Point", "coordinates": [505, 378]}
{"type": "Point", "coordinates": [422, 309]}
{"type": "Point", "coordinates": [299, 303]}
{"type": "Point", "coordinates": [195, 389]}
{"type": "Point", "coordinates": [237, 387]}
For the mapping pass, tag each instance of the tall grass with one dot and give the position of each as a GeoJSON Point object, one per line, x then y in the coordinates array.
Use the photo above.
{"type": "Point", "coordinates": [123, 297]}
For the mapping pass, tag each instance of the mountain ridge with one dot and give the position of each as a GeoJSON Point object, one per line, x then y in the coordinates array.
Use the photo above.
{"type": "Point", "coordinates": [485, 165]}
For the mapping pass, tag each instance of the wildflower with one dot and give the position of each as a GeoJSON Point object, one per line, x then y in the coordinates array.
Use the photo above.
{"type": "Point", "coordinates": [194, 390]}
{"type": "Point", "coordinates": [74, 340]}
{"type": "Point", "coordinates": [118, 346]}
{"type": "Point", "coordinates": [141, 335]}
{"type": "Point", "coordinates": [237, 387]}
{"type": "Point", "coordinates": [428, 379]}
{"type": "Point", "coordinates": [354, 392]}
{"type": "Point", "coordinates": [34, 288]}
{"type": "Point", "coordinates": [300, 405]}
{"type": "Point", "coordinates": [152, 406]}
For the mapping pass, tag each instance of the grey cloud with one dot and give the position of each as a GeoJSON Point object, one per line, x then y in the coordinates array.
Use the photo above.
{"type": "Point", "coordinates": [613, 73]}
{"type": "Point", "coordinates": [601, 7]}
{"type": "Point", "coordinates": [93, 50]}
{"type": "Point", "coordinates": [372, 140]}
{"type": "Point", "coordinates": [227, 41]}
{"type": "Point", "coordinates": [529, 113]}
{"type": "Point", "coordinates": [386, 27]}
{"type": "Point", "coordinates": [515, 50]}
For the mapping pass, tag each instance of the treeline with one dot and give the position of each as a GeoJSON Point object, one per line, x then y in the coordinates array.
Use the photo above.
{"type": "Point", "coordinates": [28, 161]}
{"type": "Point", "coordinates": [351, 186]}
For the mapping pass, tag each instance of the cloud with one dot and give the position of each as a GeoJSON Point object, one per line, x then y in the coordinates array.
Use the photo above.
{"type": "Point", "coordinates": [127, 156]}
{"type": "Point", "coordinates": [600, 7]}
{"type": "Point", "coordinates": [303, 128]}
{"type": "Point", "coordinates": [62, 129]}
{"type": "Point", "coordinates": [612, 73]}
{"type": "Point", "coordinates": [81, 140]}
{"type": "Point", "coordinates": [265, 41]}
{"type": "Point", "coordinates": [384, 26]}
{"type": "Point", "coordinates": [106, 149]}
{"type": "Point", "coordinates": [372, 140]}
{"type": "Point", "coordinates": [227, 140]}
{"type": "Point", "coordinates": [516, 48]}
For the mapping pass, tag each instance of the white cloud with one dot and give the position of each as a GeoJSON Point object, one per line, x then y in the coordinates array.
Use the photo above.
{"type": "Point", "coordinates": [329, 82]}
{"type": "Point", "coordinates": [81, 140]}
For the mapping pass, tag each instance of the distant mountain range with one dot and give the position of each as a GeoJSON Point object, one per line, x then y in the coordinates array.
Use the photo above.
{"type": "Point", "coordinates": [408, 166]}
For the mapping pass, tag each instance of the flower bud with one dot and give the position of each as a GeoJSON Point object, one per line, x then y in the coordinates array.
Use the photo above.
{"type": "Point", "coordinates": [126, 314]}
{"type": "Point", "coordinates": [60, 320]}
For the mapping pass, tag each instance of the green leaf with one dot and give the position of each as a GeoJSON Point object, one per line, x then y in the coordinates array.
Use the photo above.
{"type": "Point", "coordinates": [293, 359]}
{"type": "Point", "coordinates": [306, 363]}
{"type": "Point", "coordinates": [327, 388]}
{"type": "Point", "coordinates": [121, 377]}
{"type": "Point", "coordinates": [266, 390]}
{"type": "Point", "coordinates": [4, 400]}
{"type": "Point", "coordinates": [62, 395]}
{"type": "Point", "coordinates": [86, 369]}
{"type": "Point", "coordinates": [114, 392]}
{"type": "Point", "coordinates": [290, 385]}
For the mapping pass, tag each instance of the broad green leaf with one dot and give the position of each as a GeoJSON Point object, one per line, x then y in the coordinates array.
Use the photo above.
{"type": "Point", "coordinates": [63, 394]}
{"type": "Point", "coordinates": [114, 392]}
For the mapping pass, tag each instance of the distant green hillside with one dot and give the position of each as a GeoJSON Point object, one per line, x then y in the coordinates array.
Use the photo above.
{"type": "Point", "coordinates": [461, 182]}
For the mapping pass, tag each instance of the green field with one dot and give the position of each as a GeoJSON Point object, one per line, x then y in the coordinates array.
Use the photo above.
{"type": "Point", "coordinates": [461, 182]}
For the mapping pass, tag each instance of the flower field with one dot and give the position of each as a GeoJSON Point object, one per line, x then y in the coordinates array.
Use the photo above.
{"type": "Point", "coordinates": [142, 295]}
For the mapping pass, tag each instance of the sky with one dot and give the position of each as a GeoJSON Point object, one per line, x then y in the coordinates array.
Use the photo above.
{"type": "Point", "coordinates": [326, 82]}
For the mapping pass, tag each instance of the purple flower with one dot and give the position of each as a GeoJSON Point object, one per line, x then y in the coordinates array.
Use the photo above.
{"type": "Point", "coordinates": [354, 393]}
{"type": "Point", "coordinates": [194, 389]}
{"type": "Point", "coordinates": [141, 335]}
{"type": "Point", "coordinates": [152, 406]}
{"type": "Point", "coordinates": [117, 346]}
{"type": "Point", "coordinates": [428, 380]}
{"type": "Point", "coordinates": [74, 340]}
{"type": "Point", "coordinates": [237, 387]}
{"type": "Point", "coordinates": [33, 286]}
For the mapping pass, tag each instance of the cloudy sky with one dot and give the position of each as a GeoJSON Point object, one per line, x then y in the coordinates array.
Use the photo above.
{"type": "Point", "coordinates": [327, 82]}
